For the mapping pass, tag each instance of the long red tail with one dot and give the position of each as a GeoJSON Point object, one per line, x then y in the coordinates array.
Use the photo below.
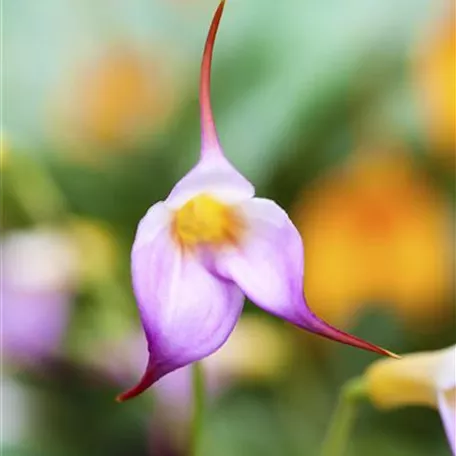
{"type": "Point", "coordinates": [208, 131]}
{"type": "Point", "coordinates": [322, 328]}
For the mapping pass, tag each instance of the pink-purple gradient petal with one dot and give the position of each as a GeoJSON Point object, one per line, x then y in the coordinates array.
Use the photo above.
{"type": "Point", "coordinates": [269, 268]}
{"type": "Point", "coordinates": [268, 265]}
{"type": "Point", "coordinates": [187, 313]}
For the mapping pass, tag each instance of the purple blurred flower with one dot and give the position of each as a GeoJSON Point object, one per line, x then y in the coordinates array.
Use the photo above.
{"type": "Point", "coordinates": [38, 267]}
{"type": "Point", "coordinates": [209, 244]}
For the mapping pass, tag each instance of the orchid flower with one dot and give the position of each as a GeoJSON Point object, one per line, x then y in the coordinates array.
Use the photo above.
{"type": "Point", "coordinates": [427, 379]}
{"type": "Point", "coordinates": [208, 245]}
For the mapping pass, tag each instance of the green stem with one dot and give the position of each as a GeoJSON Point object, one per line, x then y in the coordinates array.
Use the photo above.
{"type": "Point", "coordinates": [343, 418]}
{"type": "Point", "coordinates": [198, 409]}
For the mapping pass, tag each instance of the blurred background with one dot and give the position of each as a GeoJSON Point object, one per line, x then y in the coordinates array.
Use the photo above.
{"type": "Point", "coordinates": [343, 112]}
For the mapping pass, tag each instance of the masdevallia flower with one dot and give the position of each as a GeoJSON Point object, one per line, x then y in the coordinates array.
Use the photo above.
{"type": "Point", "coordinates": [427, 379]}
{"type": "Point", "coordinates": [209, 244]}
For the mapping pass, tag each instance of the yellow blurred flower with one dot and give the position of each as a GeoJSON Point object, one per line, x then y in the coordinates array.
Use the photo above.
{"type": "Point", "coordinates": [258, 349]}
{"type": "Point", "coordinates": [97, 249]}
{"type": "Point", "coordinates": [375, 232]}
{"type": "Point", "coordinates": [3, 151]}
{"type": "Point", "coordinates": [115, 101]}
{"type": "Point", "coordinates": [427, 379]}
{"type": "Point", "coordinates": [436, 77]}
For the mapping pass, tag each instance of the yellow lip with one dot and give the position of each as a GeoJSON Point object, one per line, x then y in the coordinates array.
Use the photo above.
{"type": "Point", "coordinates": [205, 220]}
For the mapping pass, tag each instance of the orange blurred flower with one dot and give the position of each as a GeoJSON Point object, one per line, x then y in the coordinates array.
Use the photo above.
{"type": "Point", "coordinates": [375, 232]}
{"type": "Point", "coordinates": [436, 77]}
{"type": "Point", "coordinates": [115, 101]}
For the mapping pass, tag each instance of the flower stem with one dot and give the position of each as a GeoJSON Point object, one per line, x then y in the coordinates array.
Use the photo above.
{"type": "Point", "coordinates": [343, 418]}
{"type": "Point", "coordinates": [198, 409]}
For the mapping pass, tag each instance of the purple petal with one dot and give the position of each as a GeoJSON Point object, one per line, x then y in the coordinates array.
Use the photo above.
{"type": "Point", "coordinates": [269, 265]}
{"type": "Point", "coordinates": [187, 313]}
{"type": "Point", "coordinates": [269, 268]}
{"type": "Point", "coordinates": [447, 407]}
{"type": "Point", "coordinates": [214, 175]}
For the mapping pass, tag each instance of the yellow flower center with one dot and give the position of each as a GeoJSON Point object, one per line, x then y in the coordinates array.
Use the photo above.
{"type": "Point", "coordinates": [204, 220]}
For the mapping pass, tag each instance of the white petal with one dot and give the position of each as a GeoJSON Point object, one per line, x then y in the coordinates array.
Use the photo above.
{"type": "Point", "coordinates": [155, 220]}
{"type": "Point", "coordinates": [447, 407]}
{"type": "Point", "coordinates": [446, 373]}
{"type": "Point", "coordinates": [216, 176]}
{"type": "Point", "coordinates": [446, 392]}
